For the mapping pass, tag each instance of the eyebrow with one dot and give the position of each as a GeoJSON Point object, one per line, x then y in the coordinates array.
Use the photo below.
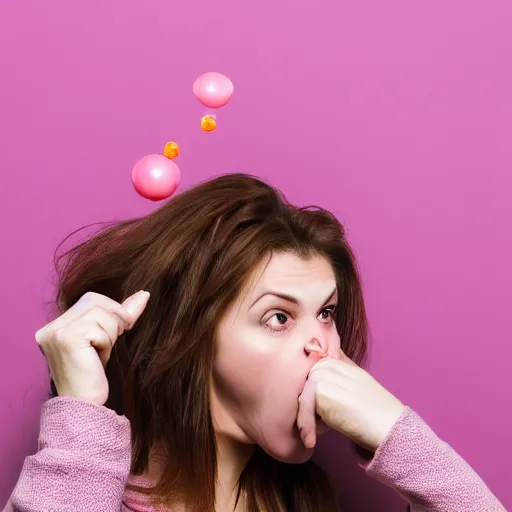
{"type": "Point", "coordinates": [289, 298]}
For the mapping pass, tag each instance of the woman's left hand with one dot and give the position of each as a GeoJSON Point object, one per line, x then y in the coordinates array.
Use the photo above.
{"type": "Point", "coordinates": [347, 399]}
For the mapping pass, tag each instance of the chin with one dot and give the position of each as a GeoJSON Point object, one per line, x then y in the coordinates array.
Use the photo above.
{"type": "Point", "coordinates": [290, 451]}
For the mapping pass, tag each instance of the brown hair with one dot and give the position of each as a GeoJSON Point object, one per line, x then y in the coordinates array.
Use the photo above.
{"type": "Point", "coordinates": [194, 254]}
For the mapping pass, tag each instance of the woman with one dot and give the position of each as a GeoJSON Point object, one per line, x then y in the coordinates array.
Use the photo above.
{"type": "Point", "coordinates": [208, 393]}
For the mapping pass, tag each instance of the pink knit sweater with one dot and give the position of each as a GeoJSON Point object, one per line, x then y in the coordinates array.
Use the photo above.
{"type": "Point", "coordinates": [83, 464]}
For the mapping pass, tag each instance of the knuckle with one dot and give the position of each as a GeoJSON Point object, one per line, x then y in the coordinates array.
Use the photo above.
{"type": "Point", "coordinates": [40, 336]}
{"type": "Point", "coordinates": [98, 313]}
{"type": "Point", "coordinates": [90, 296]}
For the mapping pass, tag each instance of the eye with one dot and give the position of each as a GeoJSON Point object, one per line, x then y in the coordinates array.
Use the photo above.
{"type": "Point", "coordinates": [327, 313]}
{"type": "Point", "coordinates": [277, 322]}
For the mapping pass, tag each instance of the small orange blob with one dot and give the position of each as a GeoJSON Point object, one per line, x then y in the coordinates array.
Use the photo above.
{"type": "Point", "coordinates": [208, 123]}
{"type": "Point", "coordinates": [171, 150]}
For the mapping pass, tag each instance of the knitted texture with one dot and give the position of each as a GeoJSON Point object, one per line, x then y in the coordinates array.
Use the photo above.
{"type": "Point", "coordinates": [427, 472]}
{"type": "Point", "coordinates": [83, 463]}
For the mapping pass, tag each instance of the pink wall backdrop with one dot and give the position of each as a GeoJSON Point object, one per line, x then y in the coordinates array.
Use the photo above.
{"type": "Point", "coordinates": [397, 115]}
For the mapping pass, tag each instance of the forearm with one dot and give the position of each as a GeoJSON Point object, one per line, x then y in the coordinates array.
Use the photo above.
{"type": "Point", "coordinates": [427, 472]}
{"type": "Point", "coordinates": [82, 463]}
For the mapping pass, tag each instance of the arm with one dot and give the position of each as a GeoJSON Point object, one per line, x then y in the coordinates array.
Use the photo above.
{"type": "Point", "coordinates": [427, 472]}
{"type": "Point", "coordinates": [82, 463]}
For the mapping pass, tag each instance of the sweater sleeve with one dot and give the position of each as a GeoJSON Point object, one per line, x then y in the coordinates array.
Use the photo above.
{"type": "Point", "coordinates": [427, 472]}
{"type": "Point", "coordinates": [82, 463]}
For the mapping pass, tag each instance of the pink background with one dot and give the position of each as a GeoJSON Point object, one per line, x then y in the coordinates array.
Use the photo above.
{"type": "Point", "coordinates": [397, 115]}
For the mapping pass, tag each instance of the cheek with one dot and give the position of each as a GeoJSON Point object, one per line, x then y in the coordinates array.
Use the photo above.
{"type": "Point", "coordinates": [242, 375]}
{"type": "Point", "coordinates": [243, 363]}
{"type": "Point", "coordinates": [333, 343]}
{"type": "Point", "coordinates": [295, 454]}
{"type": "Point", "coordinates": [262, 380]}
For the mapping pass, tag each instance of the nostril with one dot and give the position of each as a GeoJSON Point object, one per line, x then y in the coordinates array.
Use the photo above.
{"type": "Point", "coordinates": [314, 346]}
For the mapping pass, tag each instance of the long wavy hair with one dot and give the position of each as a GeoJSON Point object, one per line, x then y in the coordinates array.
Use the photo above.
{"type": "Point", "coordinates": [194, 255]}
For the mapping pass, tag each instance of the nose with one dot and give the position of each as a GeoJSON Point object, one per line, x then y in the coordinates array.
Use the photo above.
{"type": "Point", "coordinates": [316, 346]}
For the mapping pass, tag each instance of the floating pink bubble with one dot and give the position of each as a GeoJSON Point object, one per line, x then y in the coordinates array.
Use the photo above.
{"type": "Point", "coordinates": [156, 177]}
{"type": "Point", "coordinates": [213, 89]}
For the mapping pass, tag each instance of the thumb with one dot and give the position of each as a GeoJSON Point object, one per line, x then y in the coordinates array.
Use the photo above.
{"type": "Point", "coordinates": [341, 356]}
{"type": "Point", "coordinates": [306, 419]}
{"type": "Point", "coordinates": [136, 304]}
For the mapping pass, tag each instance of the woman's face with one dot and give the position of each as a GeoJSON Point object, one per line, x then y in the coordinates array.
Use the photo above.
{"type": "Point", "coordinates": [262, 361]}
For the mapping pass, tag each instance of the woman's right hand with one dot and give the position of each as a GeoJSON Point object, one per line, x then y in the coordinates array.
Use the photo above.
{"type": "Point", "coordinates": [78, 344]}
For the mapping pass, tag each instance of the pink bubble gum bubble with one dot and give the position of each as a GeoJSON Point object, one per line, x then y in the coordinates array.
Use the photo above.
{"type": "Point", "coordinates": [156, 177]}
{"type": "Point", "coordinates": [213, 89]}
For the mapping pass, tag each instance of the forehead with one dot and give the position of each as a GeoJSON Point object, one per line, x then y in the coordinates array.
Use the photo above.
{"type": "Point", "coordinates": [287, 272]}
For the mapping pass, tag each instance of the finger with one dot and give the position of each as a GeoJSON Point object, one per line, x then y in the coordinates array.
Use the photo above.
{"type": "Point", "coordinates": [335, 372]}
{"type": "Point", "coordinates": [341, 356]}
{"type": "Point", "coordinates": [326, 373]}
{"type": "Point", "coordinates": [306, 420]}
{"type": "Point", "coordinates": [325, 364]}
{"type": "Point", "coordinates": [101, 341]}
{"type": "Point", "coordinates": [109, 322]}
{"type": "Point", "coordinates": [341, 366]}
{"type": "Point", "coordinates": [135, 306]}
{"type": "Point", "coordinates": [85, 303]}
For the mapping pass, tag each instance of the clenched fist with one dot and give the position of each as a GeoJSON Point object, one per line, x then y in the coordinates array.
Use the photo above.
{"type": "Point", "coordinates": [347, 399]}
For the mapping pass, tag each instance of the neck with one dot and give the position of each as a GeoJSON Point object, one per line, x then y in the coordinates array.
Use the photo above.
{"type": "Point", "coordinates": [232, 457]}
